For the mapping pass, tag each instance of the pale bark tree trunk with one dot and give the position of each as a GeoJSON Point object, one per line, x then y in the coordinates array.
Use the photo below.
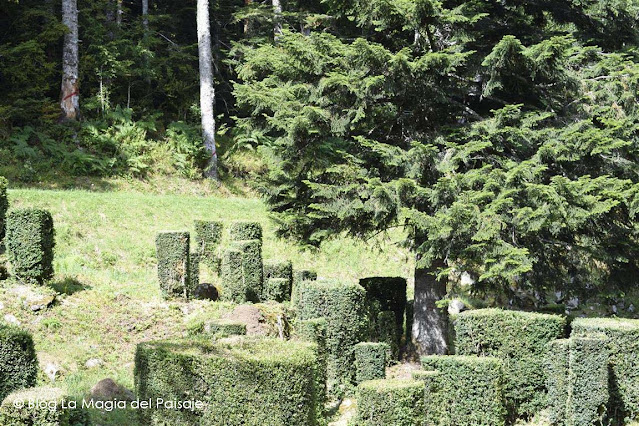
{"type": "Point", "coordinates": [145, 16]}
{"type": "Point", "coordinates": [69, 93]}
{"type": "Point", "coordinates": [277, 18]}
{"type": "Point", "coordinates": [119, 13]}
{"type": "Point", "coordinates": [430, 323]}
{"type": "Point", "coordinates": [247, 22]}
{"type": "Point", "coordinates": [207, 91]}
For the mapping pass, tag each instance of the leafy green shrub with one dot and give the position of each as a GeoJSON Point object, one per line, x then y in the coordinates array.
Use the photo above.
{"type": "Point", "coordinates": [241, 381]}
{"type": "Point", "coordinates": [208, 236]}
{"type": "Point", "coordinates": [623, 349]}
{"type": "Point", "coordinates": [42, 406]}
{"type": "Point", "coordinates": [173, 263]}
{"type": "Point", "coordinates": [370, 361]}
{"type": "Point", "coordinates": [390, 402]}
{"type": "Point", "coordinates": [30, 242]}
{"type": "Point", "coordinates": [4, 205]}
{"type": "Point", "coordinates": [188, 154]}
{"type": "Point", "coordinates": [252, 269]}
{"type": "Point", "coordinates": [233, 288]}
{"type": "Point", "coordinates": [343, 306]}
{"type": "Point", "coordinates": [18, 362]}
{"type": "Point", "coordinates": [299, 276]}
{"type": "Point", "coordinates": [279, 269]}
{"type": "Point", "coordinates": [224, 328]}
{"type": "Point", "coordinates": [470, 391]}
{"type": "Point", "coordinates": [314, 330]}
{"type": "Point", "coordinates": [194, 273]}
{"type": "Point", "coordinates": [557, 368]}
{"type": "Point", "coordinates": [588, 382]}
{"type": "Point", "coordinates": [520, 340]}
{"type": "Point", "coordinates": [276, 289]}
{"type": "Point", "coordinates": [387, 332]}
{"type": "Point", "coordinates": [244, 230]}
{"type": "Point", "coordinates": [431, 383]}
{"type": "Point", "coordinates": [386, 294]}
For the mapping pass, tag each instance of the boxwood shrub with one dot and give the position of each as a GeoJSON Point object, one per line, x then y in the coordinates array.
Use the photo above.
{"type": "Point", "coordinates": [30, 241]}
{"type": "Point", "coordinates": [42, 406]}
{"type": "Point", "coordinates": [4, 205]}
{"type": "Point", "coordinates": [194, 273]}
{"type": "Point", "coordinates": [252, 268]}
{"type": "Point", "coordinates": [557, 367]}
{"type": "Point", "coordinates": [370, 361]}
{"type": "Point", "coordinates": [276, 289]}
{"type": "Point", "coordinates": [387, 332]}
{"type": "Point", "coordinates": [520, 340]}
{"type": "Point", "coordinates": [18, 362]}
{"type": "Point", "coordinates": [622, 337]}
{"type": "Point", "coordinates": [469, 391]}
{"type": "Point", "coordinates": [224, 328]}
{"type": "Point", "coordinates": [299, 276]}
{"type": "Point", "coordinates": [390, 402]}
{"type": "Point", "coordinates": [245, 230]}
{"type": "Point", "coordinates": [588, 382]}
{"type": "Point", "coordinates": [241, 381]}
{"type": "Point", "coordinates": [281, 269]}
{"type": "Point", "coordinates": [233, 287]}
{"type": "Point", "coordinates": [343, 306]}
{"type": "Point", "coordinates": [173, 263]}
{"type": "Point", "coordinates": [385, 294]}
{"type": "Point", "coordinates": [208, 236]}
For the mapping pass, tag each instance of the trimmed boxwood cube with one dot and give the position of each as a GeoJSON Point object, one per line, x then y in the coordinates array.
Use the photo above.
{"type": "Point", "coordinates": [469, 391]}
{"type": "Point", "coordinates": [30, 241]}
{"type": "Point", "coordinates": [279, 269]}
{"type": "Point", "coordinates": [386, 294]}
{"type": "Point", "coordinates": [276, 289]}
{"type": "Point", "coordinates": [241, 381]}
{"type": "Point", "coordinates": [388, 333]}
{"type": "Point", "coordinates": [173, 263]}
{"type": "Point", "coordinates": [343, 306]}
{"type": "Point", "coordinates": [390, 402]}
{"type": "Point", "coordinates": [208, 236]}
{"type": "Point", "coordinates": [233, 288]}
{"type": "Point", "coordinates": [520, 340]}
{"type": "Point", "coordinates": [430, 379]}
{"type": "Point", "coordinates": [370, 361]}
{"type": "Point", "coordinates": [557, 366]}
{"type": "Point", "coordinates": [194, 273]}
{"type": "Point", "coordinates": [42, 406]}
{"type": "Point", "coordinates": [4, 205]}
{"type": "Point", "coordinates": [313, 330]}
{"type": "Point", "coordinates": [252, 268]}
{"type": "Point", "coordinates": [299, 276]}
{"type": "Point", "coordinates": [18, 362]}
{"type": "Point", "coordinates": [244, 230]}
{"type": "Point", "coordinates": [588, 382]}
{"type": "Point", "coordinates": [623, 349]}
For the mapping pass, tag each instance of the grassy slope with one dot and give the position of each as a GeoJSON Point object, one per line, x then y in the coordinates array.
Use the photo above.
{"type": "Point", "coordinates": [105, 262]}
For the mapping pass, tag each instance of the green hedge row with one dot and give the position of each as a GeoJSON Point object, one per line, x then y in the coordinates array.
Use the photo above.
{"type": "Point", "coordinates": [208, 236]}
{"type": "Point", "coordinates": [390, 402]}
{"type": "Point", "coordinates": [173, 263]}
{"type": "Point", "coordinates": [385, 294]}
{"type": "Point", "coordinates": [194, 273]}
{"type": "Point", "coordinates": [252, 268]}
{"type": "Point", "coordinates": [241, 381]}
{"type": "Point", "coordinates": [299, 277]}
{"type": "Point", "coordinates": [42, 407]}
{"type": "Point", "coordinates": [343, 306]}
{"type": "Point", "coordinates": [30, 242]}
{"type": "Point", "coordinates": [469, 391]}
{"type": "Point", "coordinates": [244, 230]}
{"type": "Point", "coordinates": [280, 290]}
{"type": "Point", "coordinates": [18, 362]}
{"type": "Point", "coordinates": [4, 205]}
{"type": "Point", "coordinates": [557, 368]}
{"type": "Point", "coordinates": [387, 332]}
{"type": "Point", "coordinates": [588, 382]}
{"type": "Point", "coordinates": [233, 288]}
{"type": "Point", "coordinates": [224, 328]}
{"type": "Point", "coordinates": [277, 289]}
{"type": "Point", "coordinates": [520, 340]}
{"type": "Point", "coordinates": [370, 361]}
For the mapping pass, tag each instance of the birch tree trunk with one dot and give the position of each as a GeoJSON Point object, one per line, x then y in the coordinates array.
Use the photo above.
{"type": "Point", "coordinates": [119, 13]}
{"type": "Point", "coordinates": [247, 22]}
{"type": "Point", "coordinates": [430, 324]}
{"type": "Point", "coordinates": [145, 16]}
{"type": "Point", "coordinates": [207, 91]}
{"type": "Point", "coordinates": [277, 18]}
{"type": "Point", "coordinates": [69, 94]}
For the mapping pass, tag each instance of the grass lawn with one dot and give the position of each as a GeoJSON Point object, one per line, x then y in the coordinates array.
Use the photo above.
{"type": "Point", "coordinates": [105, 274]}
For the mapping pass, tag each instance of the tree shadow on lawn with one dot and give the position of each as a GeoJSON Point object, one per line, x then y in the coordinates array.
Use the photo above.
{"type": "Point", "coordinates": [68, 286]}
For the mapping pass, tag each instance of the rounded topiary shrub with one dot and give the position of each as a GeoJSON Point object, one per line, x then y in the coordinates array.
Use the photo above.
{"type": "Point", "coordinates": [390, 402]}
{"type": "Point", "coordinates": [30, 242]}
{"type": "Point", "coordinates": [18, 362]}
{"type": "Point", "coordinates": [41, 407]}
{"type": "Point", "coordinates": [240, 381]}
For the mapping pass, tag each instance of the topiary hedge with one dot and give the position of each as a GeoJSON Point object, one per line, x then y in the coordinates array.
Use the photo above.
{"type": "Point", "coordinates": [241, 381]}
{"type": "Point", "coordinates": [388, 333]}
{"type": "Point", "coordinates": [42, 407]}
{"type": "Point", "coordinates": [194, 273]}
{"type": "Point", "coordinates": [385, 294]}
{"type": "Point", "coordinates": [390, 402]}
{"type": "Point", "coordinates": [281, 270]}
{"type": "Point", "coordinates": [244, 230]}
{"type": "Point", "coordinates": [299, 276]}
{"type": "Point", "coordinates": [557, 367]}
{"type": "Point", "coordinates": [30, 241]}
{"type": "Point", "coordinates": [520, 340]}
{"type": "Point", "coordinates": [470, 391]}
{"type": "Point", "coordinates": [233, 288]}
{"type": "Point", "coordinates": [370, 361]}
{"type": "Point", "coordinates": [224, 328]}
{"type": "Point", "coordinates": [208, 236]}
{"type": "Point", "coordinates": [18, 362]}
{"type": "Point", "coordinates": [622, 337]}
{"type": "Point", "coordinates": [4, 205]}
{"type": "Point", "coordinates": [252, 268]}
{"type": "Point", "coordinates": [588, 382]}
{"type": "Point", "coordinates": [277, 289]}
{"type": "Point", "coordinates": [173, 263]}
{"type": "Point", "coordinates": [343, 306]}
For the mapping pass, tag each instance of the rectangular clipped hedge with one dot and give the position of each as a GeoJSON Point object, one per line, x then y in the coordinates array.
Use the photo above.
{"type": "Point", "coordinates": [252, 268]}
{"type": "Point", "coordinates": [520, 340]}
{"type": "Point", "coordinates": [587, 382]}
{"type": "Point", "coordinates": [245, 230]}
{"type": "Point", "coordinates": [388, 333]}
{"type": "Point", "coordinates": [233, 288]}
{"type": "Point", "coordinates": [18, 362]}
{"type": "Point", "coordinates": [343, 306]}
{"type": "Point", "coordinates": [557, 367]}
{"type": "Point", "coordinates": [276, 289]}
{"type": "Point", "coordinates": [390, 402]}
{"type": "Point", "coordinates": [30, 242]}
{"type": "Point", "coordinates": [23, 408]}
{"type": "Point", "coordinates": [370, 361]}
{"type": "Point", "coordinates": [194, 273]}
{"type": "Point", "coordinates": [241, 381]}
{"type": "Point", "coordinates": [385, 294]}
{"type": "Point", "coordinates": [208, 236]}
{"type": "Point", "coordinates": [279, 269]}
{"type": "Point", "coordinates": [4, 205]}
{"type": "Point", "coordinates": [299, 276]}
{"type": "Point", "coordinates": [469, 391]}
{"type": "Point", "coordinates": [173, 263]}
{"type": "Point", "coordinates": [622, 336]}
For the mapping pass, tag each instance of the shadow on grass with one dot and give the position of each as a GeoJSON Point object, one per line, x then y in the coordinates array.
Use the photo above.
{"type": "Point", "coordinates": [68, 286]}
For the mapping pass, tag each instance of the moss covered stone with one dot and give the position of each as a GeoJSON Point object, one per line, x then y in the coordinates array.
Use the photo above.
{"type": "Point", "coordinates": [42, 406]}
{"type": "Point", "coordinates": [252, 268]}
{"type": "Point", "coordinates": [173, 263]}
{"type": "Point", "coordinates": [343, 306]}
{"type": "Point", "coordinates": [390, 402]}
{"type": "Point", "coordinates": [370, 361]}
{"type": "Point", "coordinates": [588, 382]}
{"type": "Point", "coordinates": [557, 367]}
{"type": "Point", "coordinates": [520, 340]}
{"type": "Point", "coordinates": [18, 362]}
{"type": "Point", "coordinates": [469, 391]}
{"type": "Point", "coordinates": [244, 230]}
{"type": "Point", "coordinates": [4, 205]}
{"type": "Point", "coordinates": [30, 242]}
{"type": "Point", "coordinates": [208, 236]}
{"type": "Point", "coordinates": [241, 381]}
{"type": "Point", "coordinates": [386, 294]}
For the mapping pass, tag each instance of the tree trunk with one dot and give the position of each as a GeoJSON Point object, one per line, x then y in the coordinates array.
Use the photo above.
{"type": "Point", "coordinates": [145, 16]}
{"type": "Point", "coordinates": [247, 22]}
{"type": "Point", "coordinates": [430, 324]}
{"type": "Point", "coordinates": [119, 12]}
{"type": "Point", "coordinates": [69, 94]}
{"type": "Point", "coordinates": [277, 18]}
{"type": "Point", "coordinates": [207, 91]}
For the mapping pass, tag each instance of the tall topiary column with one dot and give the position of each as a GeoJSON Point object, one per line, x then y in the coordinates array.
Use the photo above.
{"type": "Point", "coordinates": [4, 205]}
{"type": "Point", "coordinates": [299, 276]}
{"type": "Point", "coordinates": [385, 294]}
{"type": "Point", "coordinates": [252, 268]}
{"type": "Point", "coordinates": [173, 263]}
{"type": "Point", "coordinates": [278, 270]}
{"type": "Point", "coordinates": [30, 242]}
{"type": "Point", "coordinates": [208, 236]}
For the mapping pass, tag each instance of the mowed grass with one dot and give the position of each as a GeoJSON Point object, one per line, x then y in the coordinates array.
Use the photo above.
{"type": "Point", "coordinates": [106, 276]}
